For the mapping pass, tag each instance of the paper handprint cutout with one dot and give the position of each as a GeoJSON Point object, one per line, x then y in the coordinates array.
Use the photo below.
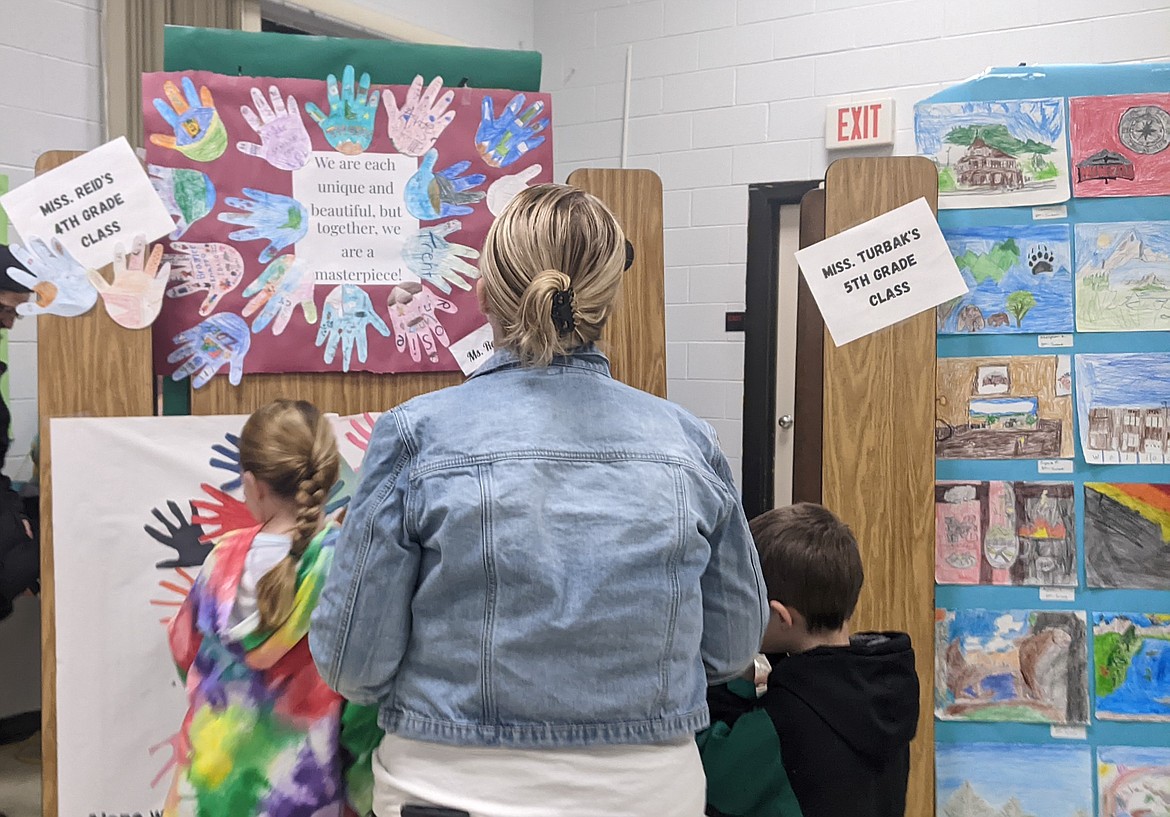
{"type": "Point", "coordinates": [432, 194]}
{"type": "Point", "coordinates": [501, 141]}
{"type": "Point", "coordinates": [412, 312]}
{"type": "Point", "coordinates": [59, 282]}
{"type": "Point", "coordinates": [437, 261]}
{"type": "Point", "coordinates": [199, 133]}
{"type": "Point", "coordinates": [215, 269]}
{"type": "Point", "coordinates": [506, 188]}
{"type": "Point", "coordinates": [271, 217]}
{"type": "Point", "coordinates": [348, 313]}
{"type": "Point", "coordinates": [349, 127]}
{"type": "Point", "coordinates": [207, 347]}
{"type": "Point", "coordinates": [284, 285]}
{"type": "Point", "coordinates": [284, 142]}
{"type": "Point", "coordinates": [420, 121]}
{"type": "Point", "coordinates": [189, 195]}
{"type": "Point", "coordinates": [135, 296]}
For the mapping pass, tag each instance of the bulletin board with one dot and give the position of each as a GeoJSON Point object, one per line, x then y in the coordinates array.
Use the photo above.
{"type": "Point", "coordinates": [1020, 360]}
{"type": "Point", "coordinates": [89, 366]}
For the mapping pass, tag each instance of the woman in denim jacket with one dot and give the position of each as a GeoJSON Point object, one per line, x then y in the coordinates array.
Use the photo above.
{"type": "Point", "coordinates": [542, 568]}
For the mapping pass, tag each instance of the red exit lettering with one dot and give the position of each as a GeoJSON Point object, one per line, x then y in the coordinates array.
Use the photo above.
{"type": "Point", "coordinates": [861, 123]}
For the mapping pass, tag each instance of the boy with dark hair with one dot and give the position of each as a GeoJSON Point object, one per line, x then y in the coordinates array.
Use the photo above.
{"type": "Point", "coordinates": [825, 729]}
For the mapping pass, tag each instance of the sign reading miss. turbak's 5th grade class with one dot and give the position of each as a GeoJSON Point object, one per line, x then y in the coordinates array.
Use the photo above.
{"type": "Point", "coordinates": [881, 272]}
{"type": "Point", "coordinates": [91, 204]}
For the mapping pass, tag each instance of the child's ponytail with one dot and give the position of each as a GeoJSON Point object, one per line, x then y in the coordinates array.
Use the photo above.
{"type": "Point", "coordinates": [290, 446]}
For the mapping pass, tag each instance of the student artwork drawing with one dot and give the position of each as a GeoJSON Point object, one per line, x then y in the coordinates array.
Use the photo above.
{"type": "Point", "coordinates": [340, 221]}
{"type": "Point", "coordinates": [1123, 277]}
{"type": "Point", "coordinates": [1131, 666]}
{"type": "Point", "coordinates": [1013, 780]}
{"type": "Point", "coordinates": [1011, 665]}
{"type": "Point", "coordinates": [1007, 153]}
{"type": "Point", "coordinates": [1123, 407]}
{"type": "Point", "coordinates": [1133, 780]}
{"type": "Point", "coordinates": [1003, 408]}
{"type": "Point", "coordinates": [1119, 145]}
{"type": "Point", "coordinates": [140, 504]}
{"type": "Point", "coordinates": [1005, 533]}
{"type": "Point", "coordinates": [1127, 535]}
{"type": "Point", "coordinates": [1020, 280]}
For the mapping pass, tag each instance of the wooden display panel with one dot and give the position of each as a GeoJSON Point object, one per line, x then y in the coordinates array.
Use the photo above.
{"type": "Point", "coordinates": [878, 447]}
{"type": "Point", "coordinates": [635, 338]}
{"type": "Point", "coordinates": [87, 366]}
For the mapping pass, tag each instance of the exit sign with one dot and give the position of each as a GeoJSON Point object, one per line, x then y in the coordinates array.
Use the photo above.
{"type": "Point", "coordinates": [860, 124]}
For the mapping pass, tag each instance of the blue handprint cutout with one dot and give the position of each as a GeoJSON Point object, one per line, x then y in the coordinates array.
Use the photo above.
{"type": "Point", "coordinates": [504, 140]}
{"type": "Point", "coordinates": [208, 346]}
{"type": "Point", "coordinates": [431, 195]}
{"type": "Point", "coordinates": [349, 127]}
{"type": "Point", "coordinates": [227, 458]}
{"type": "Point", "coordinates": [271, 217]}
{"type": "Point", "coordinates": [342, 491]}
{"type": "Point", "coordinates": [348, 312]}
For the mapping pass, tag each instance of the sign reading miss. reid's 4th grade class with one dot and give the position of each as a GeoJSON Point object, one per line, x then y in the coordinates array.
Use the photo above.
{"type": "Point", "coordinates": [881, 272]}
{"type": "Point", "coordinates": [91, 204]}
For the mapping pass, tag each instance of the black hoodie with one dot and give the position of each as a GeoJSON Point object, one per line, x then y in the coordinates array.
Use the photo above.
{"type": "Point", "coordinates": [844, 717]}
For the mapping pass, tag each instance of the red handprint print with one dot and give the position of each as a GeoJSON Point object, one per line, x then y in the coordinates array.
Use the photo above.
{"type": "Point", "coordinates": [223, 514]}
{"type": "Point", "coordinates": [363, 431]}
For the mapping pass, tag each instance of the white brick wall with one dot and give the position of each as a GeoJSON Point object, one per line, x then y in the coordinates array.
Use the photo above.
{"type": "Point", "coordinates": [52, 100]}
{"type": "Point", "coordinates": [729, 92]}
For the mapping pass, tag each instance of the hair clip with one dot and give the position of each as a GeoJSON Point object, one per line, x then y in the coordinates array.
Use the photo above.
{"type": "Point", "coordinates": [562, 311]}
{"type": "Point", "coordinates": [629, 256]}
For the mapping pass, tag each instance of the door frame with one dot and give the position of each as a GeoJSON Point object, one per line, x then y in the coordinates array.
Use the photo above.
{"type": "Point", "coordinates": [760, 337]}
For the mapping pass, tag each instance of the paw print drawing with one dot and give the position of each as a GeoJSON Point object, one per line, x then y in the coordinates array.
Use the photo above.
{"type": "Point", "coordinates": [1041, 259]}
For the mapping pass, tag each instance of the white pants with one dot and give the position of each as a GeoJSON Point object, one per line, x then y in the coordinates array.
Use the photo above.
{"type": "Point", "coordinates": [664, 780]}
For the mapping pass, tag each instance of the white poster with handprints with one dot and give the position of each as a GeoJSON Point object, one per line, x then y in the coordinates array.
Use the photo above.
{"type": "Point", "coordinates": [136, 502]}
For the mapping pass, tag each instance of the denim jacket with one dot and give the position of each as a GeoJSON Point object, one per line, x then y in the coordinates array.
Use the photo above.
{"type": "Point", "coordinates": [540, 557]}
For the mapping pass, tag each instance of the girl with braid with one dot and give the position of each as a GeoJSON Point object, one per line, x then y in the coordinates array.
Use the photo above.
{"type": "Point", "coordinates": [263, 735]}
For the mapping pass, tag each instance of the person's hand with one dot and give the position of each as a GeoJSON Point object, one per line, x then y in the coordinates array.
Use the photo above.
{"type": "Point", "coordinates": [431, 195]}
{"type": "Point", "coordinates": [349, 127]}
{"type": "Point", "coordinates": [504, 140]}
{"type": "Point", "coordinates": [215, 269]}
{"type": "Point", "coordinates": [412, 312]}
{"type": "Point", "coordinates": [189, 195]}
{"type": "Point", "coordinates": [284, 285]}
{"type": "Point", "coordinates": [199, 133]}
{"type": "Point", "coordinates": [58, 280]}
{"type": "Point", "coordinates": [362, 431]}
{"type": "Point", "coordinates": [220, 340]}
{"type": "Point", "coordinates": [180, 535]}
{"type": "Point", "coordinates": [226, 457]}
{"type": "Point", "coordinates": [284, 142]}
{"type": "Point", "coordinates": [420, 121]}
{"type": "Point", "coordinates": [219, 514]}
{"type": "Point", "coordinates": [506, 188]}
{"type": "Point", "coordinates": [28, 527]}
{"type": "Point", "coordinates": [437, 261]}
{"type": "Point", "coordinates": [348, 313]}
{"type": "Point", "coordinates": [271, 217]}
{"type": "Point", "coordinates": [135, 297]}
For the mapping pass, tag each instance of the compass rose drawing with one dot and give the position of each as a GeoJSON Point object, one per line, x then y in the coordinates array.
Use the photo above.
{"type": "Point", "coordinates": [1145, 129]}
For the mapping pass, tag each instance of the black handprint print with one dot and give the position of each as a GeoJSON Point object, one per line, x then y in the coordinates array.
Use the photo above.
{"type": "Point", "coordinates": [182, 536]}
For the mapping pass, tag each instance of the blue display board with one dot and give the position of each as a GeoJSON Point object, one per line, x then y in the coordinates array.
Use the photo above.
{"type": "Point", "coordinates": [1033, 83]}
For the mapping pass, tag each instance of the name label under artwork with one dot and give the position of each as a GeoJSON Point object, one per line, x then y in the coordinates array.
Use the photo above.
{"type": "Point", "coordinates": [472, 350]}
{"type": "Point", "coordinates": [881, 272]}
{"type": "Point", "coordinates": [1060, 341]}
{"type": "Point", "coordinates": [1058, 594]}
{"type": "Point", "coordinates": [92, 204]}
{"type": "Point", "coordinates": [1055, 466]}
{"type": "Point", "coordinates": [1069, 732]}
{"type": "Point", "coordinates": [1050, 211]}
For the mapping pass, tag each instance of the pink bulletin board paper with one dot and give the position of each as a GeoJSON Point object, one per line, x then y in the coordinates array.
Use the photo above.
{"type": "Point", "coordinates": [373, 261]}
{"type": "Point", "coordinates": [1120, 145]}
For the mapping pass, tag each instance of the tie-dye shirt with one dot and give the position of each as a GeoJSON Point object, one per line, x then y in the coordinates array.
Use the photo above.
{"type": "Point", "coordinates": [263, 735]}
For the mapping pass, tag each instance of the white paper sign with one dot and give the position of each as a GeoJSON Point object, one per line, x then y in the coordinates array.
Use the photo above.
{"type": "Point", "coordinates": [1058, 594]}
{"type": "Point", "coordinates": [881, 272]}
{"type": "Point", "coordinates": [1055, 466]}
{"type": "Point", "coordinates": [1069, 732]}
{"type": "Point", "coordinates": [472, 350]}
{"type": "Point", "coordinates": [92, 203]}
